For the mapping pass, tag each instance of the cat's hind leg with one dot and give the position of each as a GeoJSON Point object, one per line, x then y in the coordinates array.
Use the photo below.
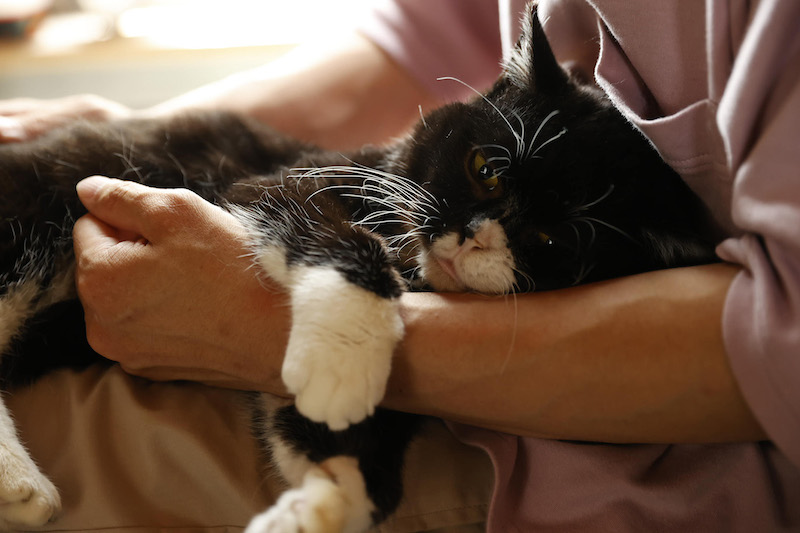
{"type": "Point", "coordinates": [331, 498]}
{"type": "Point", "coordinates": [27, 497]}
{"type": "Point", "coordinates": [341, 481]}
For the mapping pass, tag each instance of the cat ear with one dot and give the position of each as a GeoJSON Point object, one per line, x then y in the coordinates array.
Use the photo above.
{"type": "Point", "coordinates": [532, 64]}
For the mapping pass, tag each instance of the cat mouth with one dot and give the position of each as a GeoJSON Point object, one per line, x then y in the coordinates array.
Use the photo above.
{"type": "Point", "coordinates": [441, 273]}
{"type": "Point", "coordinates": [448, 266]}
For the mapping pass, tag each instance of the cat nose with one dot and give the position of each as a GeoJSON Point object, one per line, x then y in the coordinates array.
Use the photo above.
{"type": "Point", "coordinates": [471, 232]}
{"type": "Point", "coordinates": [473, 227]}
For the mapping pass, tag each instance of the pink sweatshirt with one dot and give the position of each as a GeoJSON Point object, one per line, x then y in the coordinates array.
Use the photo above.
{"type": "Point", "coordinates": [716, 86]}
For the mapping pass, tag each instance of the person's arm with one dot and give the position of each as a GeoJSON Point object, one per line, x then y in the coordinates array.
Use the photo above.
{"type": "Point", "coordinates": [635, 359]}
{"type": "Point", "coordinates": [340, 93]}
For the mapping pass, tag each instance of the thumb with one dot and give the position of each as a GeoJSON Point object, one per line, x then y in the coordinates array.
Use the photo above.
{"type": "Point", "coordinates": [123, 205]}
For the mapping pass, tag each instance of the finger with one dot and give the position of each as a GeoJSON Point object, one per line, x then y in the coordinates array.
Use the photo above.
{"type": "Point", "coordinates": [128, 206]}
{"type": "Point", "coordinates": [18, 106]}
{"type": "Point", "coordinates": [11, 130]}
{"type": "Point", "coordinates": [91, 233]}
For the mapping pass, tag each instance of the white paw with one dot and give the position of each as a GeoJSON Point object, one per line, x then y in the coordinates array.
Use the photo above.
{"type": "Point", "coordinates": [332, 499]}
{"type": "Point", "coordinates": [340, 348]}
{"type": "Point", "coordinates": [317, 506]}
{"type": "Point", "coordinates": [27, 497]}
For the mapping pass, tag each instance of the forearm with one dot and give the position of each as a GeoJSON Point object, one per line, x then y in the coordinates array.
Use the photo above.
{"type": "Point", "coordinates": [340, 93]}
{"type": "Point", "coordinates": [540, 365]}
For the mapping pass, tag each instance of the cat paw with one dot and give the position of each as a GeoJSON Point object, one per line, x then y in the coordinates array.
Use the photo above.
{"type": "Point", "coordinates": [332, 499]}
{"type": "Point", "coordinates": [310, 509]}
{"type": "Point", "coordinates": [340, 348]}
{"type": "Point", "coordinates": [27, 497]}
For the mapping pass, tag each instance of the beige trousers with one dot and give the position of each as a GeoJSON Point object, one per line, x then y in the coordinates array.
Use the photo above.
{"type": "Point", "coordinates": [134, 456]}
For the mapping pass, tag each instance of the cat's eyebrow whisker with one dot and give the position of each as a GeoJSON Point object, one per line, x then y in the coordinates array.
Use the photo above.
{"type": "Point", "coordinates": [520, 140]}
{"type": "Point", "coordinates": [501, 170]}
{"type": "Point", "coordinates": [498, 158]}
{"type": "Point", "coordinates": [548, 141]}
{"type": "Point", "coordinates": [497, 146]}
{"type": "Point", "coordinates": [422, 117]}
{"type": "Point", "coordinates": [538, 131]}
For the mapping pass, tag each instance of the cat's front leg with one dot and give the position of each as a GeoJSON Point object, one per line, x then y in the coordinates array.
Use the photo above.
{"type": "Point", "coordinates": [340, 348]}
{"type": "Point", "coordinates": [345, 308]}
{"type": "Point", "coordinates": [342, 339]}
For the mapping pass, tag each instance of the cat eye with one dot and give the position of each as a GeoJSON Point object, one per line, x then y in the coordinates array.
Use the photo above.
{"type": "Point", "coordinates": [544, 238]}
{"type": "Point", "coordinates": [482, 170]}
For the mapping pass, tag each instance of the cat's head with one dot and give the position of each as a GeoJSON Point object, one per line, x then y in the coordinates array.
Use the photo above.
{"type": "Point", "coordinates": [542, 184]}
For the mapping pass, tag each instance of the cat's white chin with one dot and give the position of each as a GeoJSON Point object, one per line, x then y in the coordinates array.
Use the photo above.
{"type": "Point", "coordinates": [440, 274]}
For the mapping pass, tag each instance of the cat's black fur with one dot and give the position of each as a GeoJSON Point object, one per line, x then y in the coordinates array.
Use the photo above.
{"type": "Point", "coordinates": [580, 196]}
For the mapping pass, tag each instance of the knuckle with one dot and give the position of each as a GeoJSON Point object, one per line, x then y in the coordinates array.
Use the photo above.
{"type": "Point", "coordinates": [90, 106]}
{"type": "Point", "coordinates": [123, 193]}
{"type": "Point", "coordinates": [175, 205]}
{"type": "Point", "coordinates": [98, 288]}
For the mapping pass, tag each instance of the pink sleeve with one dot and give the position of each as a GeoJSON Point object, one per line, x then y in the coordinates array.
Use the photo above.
{"type": "Point", "coordinates": [439, 38]}
{"type": "Point", "coordinates": [722, 106]}
{"type": "Point", "coordinates": [759, 116]}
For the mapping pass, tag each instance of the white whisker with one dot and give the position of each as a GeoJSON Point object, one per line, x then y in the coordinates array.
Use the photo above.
{"type": "Point", "coordinates": [539, 129]}
{"type": "Point", "coordinates": [548, 141]}
{"type": "Point", "coordinates": [520, 140]}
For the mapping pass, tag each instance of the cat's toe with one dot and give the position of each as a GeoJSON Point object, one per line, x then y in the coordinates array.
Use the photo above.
{"type": "Point", "coordinates": [340, 349]}
{"type": "Point", "coordinates": [316, 507]}
{"type": "Point", "coordinates": [337, 402]}
{"type": "Point", "coordinates": [27, 497]}
{"type": "Point", "coordinates": [331, 499]}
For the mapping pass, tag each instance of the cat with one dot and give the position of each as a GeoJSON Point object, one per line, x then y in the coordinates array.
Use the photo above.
{"type": "Point", "coordinates": [538, 184]}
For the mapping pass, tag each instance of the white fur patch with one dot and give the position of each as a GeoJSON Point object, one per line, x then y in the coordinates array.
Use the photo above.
{"type": "Point", "coordinates": [272, 260]}
{"type": "Point", "coordinates": [340, 347]}
{"type": "Point", "coordinates": [331, 499]}
{"type": "Point", "coordinates": [483, 263]}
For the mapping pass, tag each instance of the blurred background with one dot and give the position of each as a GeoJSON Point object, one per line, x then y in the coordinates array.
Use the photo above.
{"type": "Point", "coordinates": [141, 52]}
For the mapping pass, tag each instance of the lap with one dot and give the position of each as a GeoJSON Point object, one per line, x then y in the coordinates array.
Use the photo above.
{"type": "Point", "coordinates": [133, 455]}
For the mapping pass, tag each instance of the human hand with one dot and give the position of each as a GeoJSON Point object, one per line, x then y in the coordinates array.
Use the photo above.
{"type": "Point", "coordinates": [22, 119]}
{"type": "Point", "coordinates": [168, 291]}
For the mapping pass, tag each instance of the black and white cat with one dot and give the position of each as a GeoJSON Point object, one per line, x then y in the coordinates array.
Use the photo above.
{"type": "Point", "coordinates": [539, 184]}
